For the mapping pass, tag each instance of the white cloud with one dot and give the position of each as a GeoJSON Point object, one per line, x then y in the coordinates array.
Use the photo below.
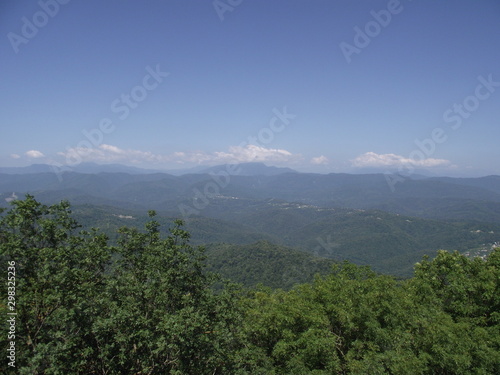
{"type": "Point", "coordinates": [372, 159]}
{"type": "Point", "coordinates": [15, 156]}
{"type": "Point", "coordinates": [107, 154]}
{"type": "Point", "coordinates": [236, 154]}
{"type": "Point", "coordinates": [112, 149]}
{"type": "Point", "coordinates": [34, 154]}
{"type": "Point", "coordinates": [320, 160]}
{"type": "Point", "coordinates": [252, 153]}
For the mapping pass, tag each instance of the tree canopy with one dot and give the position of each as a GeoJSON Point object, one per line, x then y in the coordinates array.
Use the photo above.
{"type": "Point", "coordinates": [148, 305]}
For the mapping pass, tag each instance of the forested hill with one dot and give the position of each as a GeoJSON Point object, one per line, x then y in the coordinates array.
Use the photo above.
{"type": "Point", "coordinates": [389, 243]}
{"type": "Point", "coordinates": [360, 218]}
{"type": "Point", "coordinates": [265, 263]}
{"type": "Point", "coordinates": [439, 198]}
{"type": "Point", "coordinates": [146, 304]}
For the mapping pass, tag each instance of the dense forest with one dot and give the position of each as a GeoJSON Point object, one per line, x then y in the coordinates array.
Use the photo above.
{"type": "Point", "coordinates": [337, 216]}
{"type": "Point", "coordinates": [149, 302]}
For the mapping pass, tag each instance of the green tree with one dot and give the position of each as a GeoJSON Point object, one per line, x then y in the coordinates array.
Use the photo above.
{"type": "Point", "coordinates": [369, 315]}
{"type": "Point", "coordinates": [145, 306]}
{"type": "Point", "coordinates": [354, 321]}
{"type": "Point", "coordinates": [59, 275]}
{"type": "Point", "coordinates": [161, 315]}
{"type": "Point", "coordinates": [148, 306]}
{"type": "Point", "coordinates": [290, 333]}
{"type": "Point", "coordinates": [467, 291]}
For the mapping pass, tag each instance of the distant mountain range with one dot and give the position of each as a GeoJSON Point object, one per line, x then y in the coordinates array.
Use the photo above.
{"type": "Point", "coordinates": [203, 192]}
{"type": "Point", "coordinates": [248, 169]}
{"type": "Point", "coordinates": [244, 169]}
{"type": "Point", "coordinates": [362, 218]}
{"type": "Point", "coordinates": [90, 168]}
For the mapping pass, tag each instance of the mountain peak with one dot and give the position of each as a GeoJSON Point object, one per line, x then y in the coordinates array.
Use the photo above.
{"type": "Point", "coordinates": [249, 169]}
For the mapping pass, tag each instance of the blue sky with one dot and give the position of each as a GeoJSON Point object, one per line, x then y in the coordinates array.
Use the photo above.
{"type": "Point", "coordinates": [323, 86]}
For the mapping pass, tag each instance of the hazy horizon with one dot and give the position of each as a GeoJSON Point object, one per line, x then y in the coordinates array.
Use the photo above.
{"type": "Point", "coordinates": [324, 87]}
{"type": "Point", "coordinates": [406, 173]}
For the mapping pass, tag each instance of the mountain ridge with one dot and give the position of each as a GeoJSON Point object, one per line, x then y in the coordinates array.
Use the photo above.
{"type": "Point", "coordinates": [340, 216]}
{"type": "Point", "coordinates": [448, 198]}
{"type": "Point", "coordinates": [244, 169]}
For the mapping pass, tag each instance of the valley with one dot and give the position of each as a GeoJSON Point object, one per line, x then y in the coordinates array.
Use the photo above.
{"type": "Point", "coordinates": [332, 217]}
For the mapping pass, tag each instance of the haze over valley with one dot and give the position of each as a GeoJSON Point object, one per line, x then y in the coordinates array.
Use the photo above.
{"type": "Point", "coordinates": [364, 218]}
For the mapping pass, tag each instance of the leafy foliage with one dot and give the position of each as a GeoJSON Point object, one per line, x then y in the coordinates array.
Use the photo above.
{"type": "Point", "coordinates": [265, 263]}
{"type": "Point", "coordinates": [149, 311]}
{"type": "Point", "coordinates": [354, 321]}
{"type": "Point", "coordinates": [147, 305]}
{"type": "Point", "coordinates": [59, 275]}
